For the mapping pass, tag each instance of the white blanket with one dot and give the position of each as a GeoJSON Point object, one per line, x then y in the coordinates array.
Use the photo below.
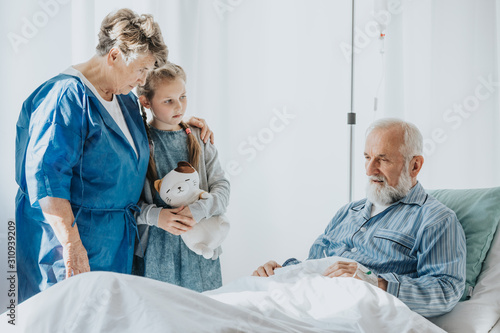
{"type": "Point", "coordinates": [296, 299]}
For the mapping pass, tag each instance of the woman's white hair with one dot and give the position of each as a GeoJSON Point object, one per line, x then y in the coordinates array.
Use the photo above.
{"type": "Point", "coordinates": [413, 140]}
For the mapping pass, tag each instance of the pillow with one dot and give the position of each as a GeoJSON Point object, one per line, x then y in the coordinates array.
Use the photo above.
{"type": "Point", "coordinates": [482, 311]}
{"type": "Point", "coordinates": [478, 210]}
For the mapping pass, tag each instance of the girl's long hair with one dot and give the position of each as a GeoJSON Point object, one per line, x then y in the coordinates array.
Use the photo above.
{"type": "Point", "coordinates": [165, 74]}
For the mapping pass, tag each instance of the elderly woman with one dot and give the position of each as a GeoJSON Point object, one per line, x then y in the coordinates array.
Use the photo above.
{"type": "Point", "coordinates": [81, 159]}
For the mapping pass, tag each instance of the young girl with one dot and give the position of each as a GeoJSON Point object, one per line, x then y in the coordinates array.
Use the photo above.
{"type": "Point", "coordinates": [166, 257]}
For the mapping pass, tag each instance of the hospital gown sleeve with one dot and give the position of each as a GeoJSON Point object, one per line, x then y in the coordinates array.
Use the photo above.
{"type": "Point", "coordinates": [56, 138]}
{"type": "Point", "coordinates": [438, 287]}
{"type": "Point", "coordinates": [218, 186]}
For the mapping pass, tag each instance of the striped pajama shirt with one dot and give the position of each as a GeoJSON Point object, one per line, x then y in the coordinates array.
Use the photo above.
{"type": "Point", "coordinates": [417, 245]}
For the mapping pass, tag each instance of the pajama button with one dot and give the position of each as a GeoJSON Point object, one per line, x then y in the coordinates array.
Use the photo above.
{"type": "Point", "coordinates": [354, 249]}
{"type": "Point", "coordinates": [363, 229]}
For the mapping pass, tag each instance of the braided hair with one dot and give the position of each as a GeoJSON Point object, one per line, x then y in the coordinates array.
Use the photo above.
{"type": "Point", "coordinates": [166, 73]}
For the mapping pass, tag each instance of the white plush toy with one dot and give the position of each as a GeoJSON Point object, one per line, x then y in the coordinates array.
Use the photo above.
{"type": "Point", "coordinates": [180, 187]}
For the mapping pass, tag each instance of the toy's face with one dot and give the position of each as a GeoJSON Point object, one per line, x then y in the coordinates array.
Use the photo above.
{"type": "Point", "coordinates": [178, 189]}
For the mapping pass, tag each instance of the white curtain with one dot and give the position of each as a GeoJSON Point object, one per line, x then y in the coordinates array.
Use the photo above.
{"type": "Point", "coordinates": [272, 78]}
{"type": "Point", "coordinates": [442, 66]}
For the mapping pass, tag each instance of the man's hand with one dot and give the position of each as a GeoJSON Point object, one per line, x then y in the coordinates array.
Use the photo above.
{"type": "Point", "coordinates": [75, 258]}
{"type": "Point", "coordinates": [206, 133]}
{"type": "Point", "coordinates": [172, 221]}
{"type": "Point", "coordinates": [348, 269]}
{"type": "Point", "coordinates": [267, 269]}
{"type": "Point", "coordinates": [342, 268]}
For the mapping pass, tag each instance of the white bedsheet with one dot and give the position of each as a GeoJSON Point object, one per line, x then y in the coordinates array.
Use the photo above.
{"type": "Point", "coordinates": [334, 305]}
{"type": "Point", "coordinates": [297, 299]}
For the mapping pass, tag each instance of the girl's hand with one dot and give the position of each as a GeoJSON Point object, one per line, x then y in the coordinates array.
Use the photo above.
{"type": "Point", "coordinates": [186, 212]}
{"type": "Point", "coordinates": [206, 133]}
{"type": "Point", "coordinates": [170, 220]}
{"type": "Point", "coordinates": [75, 258]}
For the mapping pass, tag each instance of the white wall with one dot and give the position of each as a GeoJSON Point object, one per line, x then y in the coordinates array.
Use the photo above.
{"type": "Point", "coordinates": [271, 56]}
{"type": "Point", "coordinates": [443, 76]}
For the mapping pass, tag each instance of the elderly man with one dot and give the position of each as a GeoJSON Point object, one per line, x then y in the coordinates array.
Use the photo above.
{"type": "Point", "coordinates": [412, 242]}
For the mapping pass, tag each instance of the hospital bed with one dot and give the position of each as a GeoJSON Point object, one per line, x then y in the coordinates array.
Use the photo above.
{"type": "Point", "coordinates": [479, 212]}
{"type": "Point", "coordinates": [297, 299]}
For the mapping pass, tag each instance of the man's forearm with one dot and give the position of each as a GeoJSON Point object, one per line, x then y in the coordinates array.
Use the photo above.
{"type": "Point", "coordinates": [427, 295]}
{"type": "Point", "coordinates": [382, 284]}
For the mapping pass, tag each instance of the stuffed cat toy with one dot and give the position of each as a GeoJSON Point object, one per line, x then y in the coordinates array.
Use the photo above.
{"type": "Point", "coordinates": [180, 187]}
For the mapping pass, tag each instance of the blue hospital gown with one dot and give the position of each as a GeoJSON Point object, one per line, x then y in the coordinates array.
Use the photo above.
{"type": "Point", "coordinates": [68, 146]}
{"type": "Point", "coordinates": [166, 257]}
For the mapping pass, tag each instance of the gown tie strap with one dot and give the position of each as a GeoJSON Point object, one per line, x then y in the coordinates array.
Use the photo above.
{"type": "Point", "coordinates": [129, 211]}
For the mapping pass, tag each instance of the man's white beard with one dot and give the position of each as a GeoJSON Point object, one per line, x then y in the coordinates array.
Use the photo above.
{"type": "Point", "coordinates": [383, 194]}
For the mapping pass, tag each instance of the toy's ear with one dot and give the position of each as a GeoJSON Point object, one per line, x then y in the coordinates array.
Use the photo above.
{"type": "Point", "coordinates": [184, 167]}
{"type": "Point", "coordinates": [158, 184]}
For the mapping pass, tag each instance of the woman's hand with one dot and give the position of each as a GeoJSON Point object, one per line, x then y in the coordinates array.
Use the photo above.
{"type": "Point", "coordinates": [59, 214]}
{"type": "Point", "coordinates": [172, 221]}
{"type": "Point", "coordinates": [206, 133]}
{"type": "Point", "coordinates": [75, 258]}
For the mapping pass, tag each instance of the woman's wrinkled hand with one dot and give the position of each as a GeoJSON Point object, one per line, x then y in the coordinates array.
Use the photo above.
{"type": "Point", "coordinates": [75, 258]}
{"type": "Point", "coordinates": [206, 133]}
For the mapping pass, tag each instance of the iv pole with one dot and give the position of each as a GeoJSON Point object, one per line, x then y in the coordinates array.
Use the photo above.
{"type": "Point", "coordinates": [351, 116]}
{"type": "Point", "coordinates": [380, 5]}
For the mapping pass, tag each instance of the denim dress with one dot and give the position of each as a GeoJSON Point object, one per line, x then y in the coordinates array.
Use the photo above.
{"type": "Point", "coordinates": [166, 257]}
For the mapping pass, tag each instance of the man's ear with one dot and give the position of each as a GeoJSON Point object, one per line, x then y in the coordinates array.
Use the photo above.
{"type": "Point", "coordinates": [144, 101]}
{"type": "Point", "coordinates": [416, 165]}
